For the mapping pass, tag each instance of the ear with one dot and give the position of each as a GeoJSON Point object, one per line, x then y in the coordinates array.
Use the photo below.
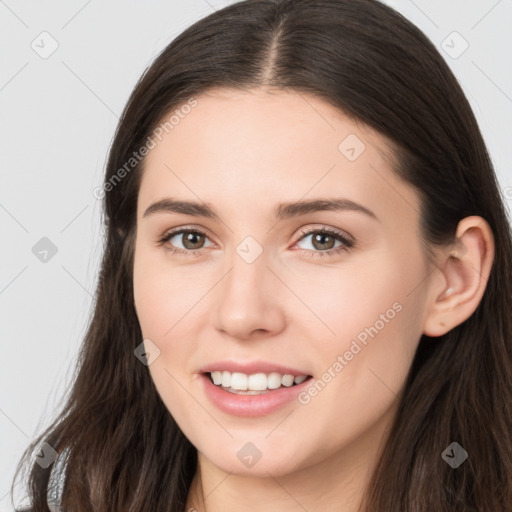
{"type": "Point", "coordinates": [465, 267]}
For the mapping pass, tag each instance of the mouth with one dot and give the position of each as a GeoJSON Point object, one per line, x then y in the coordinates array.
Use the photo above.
{"type": "Point", "coordinates": [254, 384]}
{"type": "Point", "coordinates": [253, 393]}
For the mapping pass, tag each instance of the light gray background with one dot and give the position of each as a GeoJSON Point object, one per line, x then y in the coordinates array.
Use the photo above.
{"type": "Point", "coordinates": [58, 116]}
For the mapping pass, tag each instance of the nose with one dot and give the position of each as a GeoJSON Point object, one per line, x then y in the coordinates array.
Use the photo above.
{"type": "Point", "coordinates": [250, 302]}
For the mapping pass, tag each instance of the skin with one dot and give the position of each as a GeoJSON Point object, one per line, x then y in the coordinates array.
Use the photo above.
{"type": "Point", "coordinates": [244, 153]}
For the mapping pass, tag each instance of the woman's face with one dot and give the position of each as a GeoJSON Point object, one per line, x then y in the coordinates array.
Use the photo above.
{"type": "Point", "coordinates": [262, 290]}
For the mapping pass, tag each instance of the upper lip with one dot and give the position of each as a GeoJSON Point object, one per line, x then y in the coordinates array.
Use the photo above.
{"type": "Point", "coordinates": [251, 367]}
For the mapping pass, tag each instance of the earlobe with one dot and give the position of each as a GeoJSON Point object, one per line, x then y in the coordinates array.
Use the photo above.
{"type": "Point", "coordinates": [465, 268]}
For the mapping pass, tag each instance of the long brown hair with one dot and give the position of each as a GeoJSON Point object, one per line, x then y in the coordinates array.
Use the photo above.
{"type": "Point", "coordinates": [125, 451]}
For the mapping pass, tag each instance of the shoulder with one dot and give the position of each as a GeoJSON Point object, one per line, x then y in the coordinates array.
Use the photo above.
{"type": "Point", "coordinates": [55, 485]}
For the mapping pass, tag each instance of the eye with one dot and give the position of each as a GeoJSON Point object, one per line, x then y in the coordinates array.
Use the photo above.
{"type": "Point", "coordinates": [192, 241]}
{"type": "Point", "coordinates": [323, 242]}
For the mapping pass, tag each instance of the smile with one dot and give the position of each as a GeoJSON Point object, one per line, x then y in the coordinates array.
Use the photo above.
{"type": "Point", "coordinates": [254, 384]}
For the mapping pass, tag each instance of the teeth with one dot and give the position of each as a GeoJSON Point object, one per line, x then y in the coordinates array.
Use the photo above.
{"type": "Point", "coordinates": [217, 378]}
{"type": "Point", "coordinates": [274, 380]}
{"type": "Point", "coordinates": [237, 381]}
{"type": "Point", "coordinates": [226, 379]}
{"type": "Point", "coordinates": [256, 382]}
{"type": "Point", "coordinates": [287, 380]}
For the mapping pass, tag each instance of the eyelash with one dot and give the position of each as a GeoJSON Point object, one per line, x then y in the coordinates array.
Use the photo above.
{"type": "Point", "coordinates": [346, 243]}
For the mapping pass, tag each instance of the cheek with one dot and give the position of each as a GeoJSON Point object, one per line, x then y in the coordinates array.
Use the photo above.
{"type": "Point", "coordinates": [166, 313]}
{"type": "Point", "coordinates": [172, 307]}
{"type": "Point", "coordinates": [163, 295]}
{"type": "Point", "coordinates": [361, 298]}
{"type": "Point", "coordinates": [165, 310]}
{"type": "Point", "coordinates": [363, 377]}
{"type": "Point", "coordinates": [374, 313]}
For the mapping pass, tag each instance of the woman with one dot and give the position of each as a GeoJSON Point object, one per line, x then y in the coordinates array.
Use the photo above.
{"type": "Point", "coordinates": [234, 361]}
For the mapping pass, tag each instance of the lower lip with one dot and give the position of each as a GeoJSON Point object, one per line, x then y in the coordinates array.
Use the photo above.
{"type": "Point", "coordinates": [251, 405]}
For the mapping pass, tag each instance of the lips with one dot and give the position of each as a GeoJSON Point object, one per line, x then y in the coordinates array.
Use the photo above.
{"type": "Point", "coordinates": [251, 405]}
{"type": "Point", "coordinates": [252, 367]}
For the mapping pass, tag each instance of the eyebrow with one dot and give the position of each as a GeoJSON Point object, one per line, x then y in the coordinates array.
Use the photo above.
{"type": "Point", "coordinates": [283, 211]}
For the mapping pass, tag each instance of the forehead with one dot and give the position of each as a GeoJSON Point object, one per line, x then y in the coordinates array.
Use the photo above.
{"type": "Point", "coordinates": [230, 124]}
{"type": "Point", "coordinates": [268, 146]}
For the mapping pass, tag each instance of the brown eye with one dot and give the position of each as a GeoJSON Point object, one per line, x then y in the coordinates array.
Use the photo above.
{"type": "Point", "coordinates": [323, 241]}
{"type": "Point", "coordinates": [185, 241]}
{"type": "Point", "coordinates": [192, 239]}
